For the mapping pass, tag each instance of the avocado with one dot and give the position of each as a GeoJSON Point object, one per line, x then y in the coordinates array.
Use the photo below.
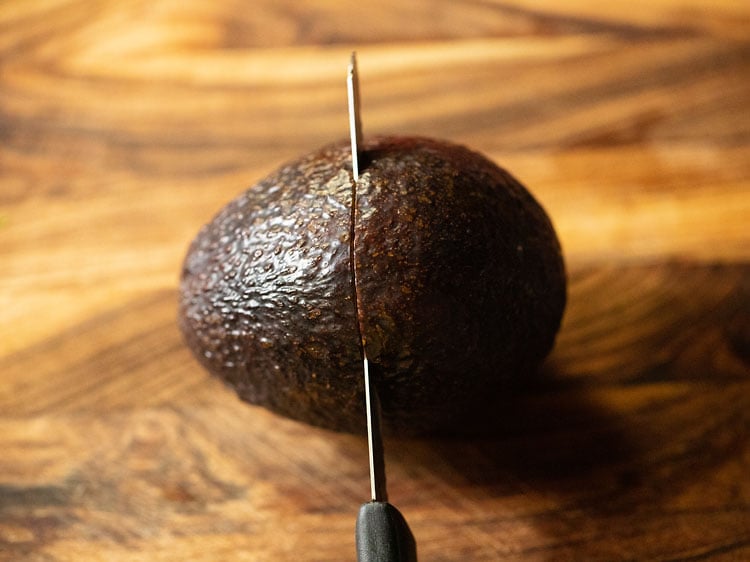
{"type": "Point", "coordinates": [460, 286]}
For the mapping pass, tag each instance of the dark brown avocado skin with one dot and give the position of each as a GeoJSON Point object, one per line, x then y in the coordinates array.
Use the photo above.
{"type": "Point", "coordinates": [460, 278]}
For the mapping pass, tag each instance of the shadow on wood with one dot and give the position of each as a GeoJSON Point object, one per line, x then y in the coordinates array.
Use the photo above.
{"type": "Point", "coordinates": [639, 413]}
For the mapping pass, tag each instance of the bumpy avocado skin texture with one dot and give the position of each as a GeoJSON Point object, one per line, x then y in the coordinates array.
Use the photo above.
{"type": "Point", "coordinates": [460, 277]}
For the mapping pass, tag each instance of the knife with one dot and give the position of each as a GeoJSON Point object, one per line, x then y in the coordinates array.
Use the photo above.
{"type": "Point", "coordinates": [382, 533]}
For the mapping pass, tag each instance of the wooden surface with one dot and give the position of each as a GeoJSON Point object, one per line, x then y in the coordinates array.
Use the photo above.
{"type": "Point", "coordinates": [125, 125]}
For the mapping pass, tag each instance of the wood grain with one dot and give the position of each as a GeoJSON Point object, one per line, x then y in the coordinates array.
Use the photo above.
{"type": "Point", "coordinates": [125, 126]}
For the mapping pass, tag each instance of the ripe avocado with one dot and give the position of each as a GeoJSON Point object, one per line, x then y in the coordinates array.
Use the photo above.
{"type": "Point", "coordinates": [460, 277]}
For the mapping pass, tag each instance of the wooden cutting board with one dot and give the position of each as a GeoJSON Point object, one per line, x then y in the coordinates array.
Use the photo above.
{"type": "Point", "coordinates": [124, 126]}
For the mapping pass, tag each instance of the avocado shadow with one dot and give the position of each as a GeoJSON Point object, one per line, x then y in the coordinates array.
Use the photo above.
{"type": "Point", "coordinates": [552, 425]}
{"type": "Point", "coordinates": [552, 434]}
{"type": "Point", "coordinates": [550, 454]}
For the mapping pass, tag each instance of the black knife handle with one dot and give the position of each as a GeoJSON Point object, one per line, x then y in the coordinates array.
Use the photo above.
{"type": "Point", "coordinates": [383, 535]}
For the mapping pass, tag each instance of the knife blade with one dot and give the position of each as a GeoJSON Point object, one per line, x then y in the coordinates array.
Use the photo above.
{"type": "Point", "coordinates": [382, 533]}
